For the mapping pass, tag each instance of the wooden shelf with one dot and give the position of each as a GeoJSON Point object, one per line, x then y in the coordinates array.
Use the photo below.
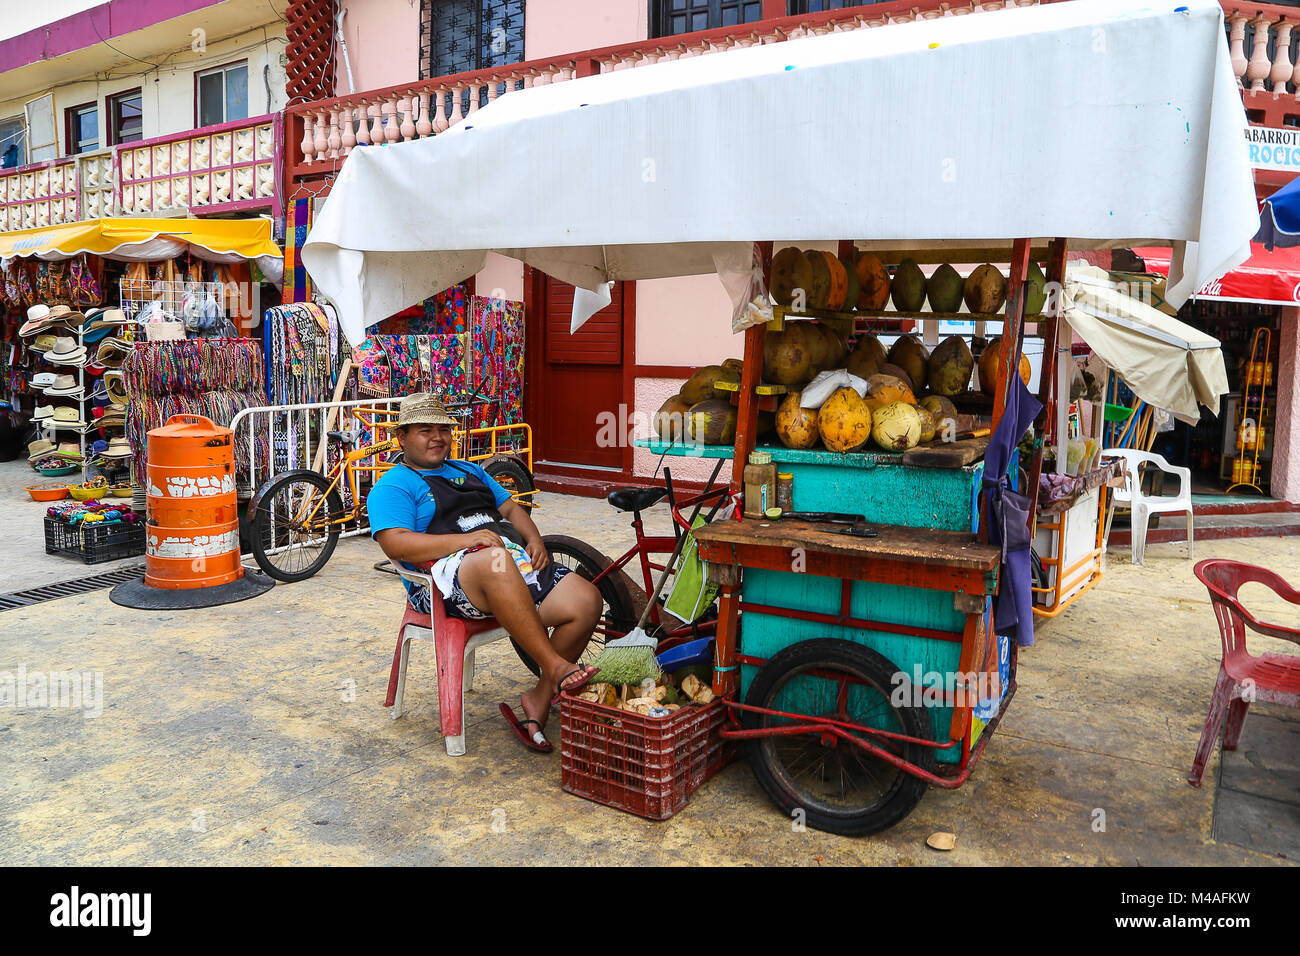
{"type": "Point", "coordinates": [782, 312]}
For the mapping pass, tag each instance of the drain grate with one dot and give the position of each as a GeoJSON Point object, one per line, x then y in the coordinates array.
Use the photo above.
{"type": "Point", "coordinates": [52, 592]}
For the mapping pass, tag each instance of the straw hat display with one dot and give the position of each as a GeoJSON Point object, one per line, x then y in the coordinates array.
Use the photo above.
{"type": "Point", "coordinates": [66, 386]}
{"type": "Point", "coordinates": [66, 351]}
{"type": "Point", "coordinates": [117, 448]}
{"type": "Point", "coordinates": [66, 417]}
{"type": "Point", "coordinates": [112, 352]}
{"type": "Point", "coordinates": [116, 387]}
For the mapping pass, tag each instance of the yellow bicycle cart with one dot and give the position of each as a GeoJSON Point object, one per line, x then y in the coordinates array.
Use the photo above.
{"type": "Point", "coordinates": [295, 518]}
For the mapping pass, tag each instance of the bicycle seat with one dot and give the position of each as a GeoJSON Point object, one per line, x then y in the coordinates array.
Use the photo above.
{"type": "Point", "coordinates": [636, 499]}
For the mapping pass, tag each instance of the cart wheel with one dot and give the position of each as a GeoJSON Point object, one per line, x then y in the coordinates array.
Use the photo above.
{"type": "Point", "coordinates": [839, 787]}
{"type": "Point", "coordinates": [616, 619]}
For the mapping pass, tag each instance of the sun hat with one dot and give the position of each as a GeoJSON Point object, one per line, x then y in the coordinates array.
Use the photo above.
{"type": "Point", "coordinates": [65, 416]}
{"type": "Point", "coordinates": [69, 449]}
{"type": "Point", "coordinates": [43, 342]}
{"type": "Point", "coordinates": [117, 448]}
{"type": "Point", "coordinates": [66, 351]}
{"type": "Point", "coordinates": [115, 386]}
{"type": "Point", "coordinates": [67, 315]}
{"type": "Point", "coordinates": [43, 412]}
{"type": "Point", "coordinates": [66, 385]}
{"type": "Point", "coordinates": [91, 336]}
{"type": "Point", "coordinates": [112, 353]}
{"type": "Point", "coordinates": [38, 316]}
{"type": "Point", "coordinates": [39, 449]}
{"type": "Point", "coordinates": [423, 408]}
{"type": "Point", "coordinates": [104, 318]}
{"type": "Point", "coordinates": [43, 379]}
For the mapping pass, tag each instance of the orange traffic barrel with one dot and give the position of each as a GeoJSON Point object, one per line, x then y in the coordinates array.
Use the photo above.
{"type": "Point", "coordinates": [193, 520]}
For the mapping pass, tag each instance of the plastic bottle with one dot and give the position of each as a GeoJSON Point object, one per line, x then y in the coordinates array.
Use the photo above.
{"type": "Point", "coordinates": [760, 484]}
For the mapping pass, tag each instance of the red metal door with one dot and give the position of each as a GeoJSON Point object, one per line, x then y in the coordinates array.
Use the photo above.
{"type": "Point", "coordinates": [581, 380]}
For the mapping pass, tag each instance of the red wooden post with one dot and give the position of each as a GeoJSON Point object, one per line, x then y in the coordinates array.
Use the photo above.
{"type": "Point", "coordinates": [1047, 373]}
{"type": "Point", "coordinates": [1012, 326]}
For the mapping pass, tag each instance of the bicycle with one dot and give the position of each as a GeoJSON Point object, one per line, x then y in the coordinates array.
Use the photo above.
{"type": "Point", "coordinates": [295, 518]}
{"type": "Point", "coordinates": [624, 598]}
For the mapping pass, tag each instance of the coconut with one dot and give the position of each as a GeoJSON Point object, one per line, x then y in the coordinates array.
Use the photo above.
{"type": "Point", "coordinates": [670, 420]}
{"type": "Point", "coordinates": [700, 387]}
{"type": "Point", "coordinates": [909, 354]}
{"type": "Point", "coordinates": [896, 427]}
{"type": "Point", "coordinates": [787, 357]}
{"type": "Point", "coordinates": [991, 366]}
{"type": "Point", "coordinates": [712, 422]}
{"type": "Point", "coordinates": [873, 283]}
{"type": "Point", "coordinates": [1035, 290]}
{"type": "Point", "coordinates": [844, 421]}
{"type": "Point", "coordinates": [928, 425]}
{"type": "Point", "coordinates": [865, 360]}
{"type": "Point", "coordinates": [908, 286]}
{"type": "Point", "coordinates": [951, 366]}
{"type": "Point", "coordinates": [944, 289]}
{"type": "Point", "coordinates": [795, 426]}
{"type": "Point", "coordinates": [985, 289]}
{"type": "Point", "coordinates": [889, 388]}
{"type": "Point", "coordinates": [791, 270]}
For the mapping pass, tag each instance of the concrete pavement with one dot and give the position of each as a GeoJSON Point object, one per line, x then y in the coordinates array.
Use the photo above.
{"type": "Point", "coordinates": [254, 734]}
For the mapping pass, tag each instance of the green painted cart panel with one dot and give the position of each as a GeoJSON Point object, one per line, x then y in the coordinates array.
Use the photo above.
{"type": "Point", "coordinates": [875, 484]}
{"type": "Point", "coordinates": [764, 635]}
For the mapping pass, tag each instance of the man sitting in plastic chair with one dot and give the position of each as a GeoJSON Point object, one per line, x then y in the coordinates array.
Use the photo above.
{"type": "Point", "coordinates": [484, 555]}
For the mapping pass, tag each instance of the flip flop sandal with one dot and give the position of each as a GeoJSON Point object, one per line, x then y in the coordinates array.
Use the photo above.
{"type": "Point", "coordinates": [536, 741]}
{"type": "Point", "coordinates": [572, 688]}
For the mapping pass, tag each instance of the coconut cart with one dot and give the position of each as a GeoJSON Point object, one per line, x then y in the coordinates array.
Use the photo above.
{"type": "Point", "coordinates": [873, 653]}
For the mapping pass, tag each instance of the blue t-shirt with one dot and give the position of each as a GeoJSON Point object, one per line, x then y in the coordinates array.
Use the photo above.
{"type": "Point", "coordinates": [401, 498]}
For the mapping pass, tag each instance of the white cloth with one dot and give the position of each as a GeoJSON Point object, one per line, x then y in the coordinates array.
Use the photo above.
{"type": "Point", "coordinates": [1102, 121]}
{"type": "Point", "coordinates": [827, 384]}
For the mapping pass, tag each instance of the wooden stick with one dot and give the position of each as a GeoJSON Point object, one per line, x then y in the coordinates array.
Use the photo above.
{"type": "Point", "coordinates": [330, 416]}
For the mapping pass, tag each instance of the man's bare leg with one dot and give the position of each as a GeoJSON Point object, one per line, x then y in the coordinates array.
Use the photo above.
{"type": "Point", "coordinates": [493, 584]}
{"type": "Point", "coordinates": [572, 609]}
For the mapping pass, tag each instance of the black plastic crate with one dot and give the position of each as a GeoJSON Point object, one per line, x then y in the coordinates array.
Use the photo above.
{"type": "Point", "coordinates": [96, 542]}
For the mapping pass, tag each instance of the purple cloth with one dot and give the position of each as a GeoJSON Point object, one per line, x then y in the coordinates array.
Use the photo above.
{"type": "Point", "coordinates": [1008, 512]}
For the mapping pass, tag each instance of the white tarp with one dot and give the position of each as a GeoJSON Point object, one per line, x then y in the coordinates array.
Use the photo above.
{"type": "Point", "coordinates": [1097, 120]}
{"type": "Point", "coordinates": [1166, 363]}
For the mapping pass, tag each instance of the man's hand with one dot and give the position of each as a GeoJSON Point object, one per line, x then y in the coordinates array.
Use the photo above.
{"type": "Point", "coordinates": [537, 554]}
{"type": "Point", "coordinates": [480, 538]}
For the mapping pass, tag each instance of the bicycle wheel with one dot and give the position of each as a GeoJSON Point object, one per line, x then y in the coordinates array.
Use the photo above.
{"type": "Point", "coordinates": [616, 619]}
{"type": "Point", "coordinates": [292, 531]}
{"type": "Point", "coordinates": [513, 477]}
{"type": "Point", "coordinates": [839, 787]}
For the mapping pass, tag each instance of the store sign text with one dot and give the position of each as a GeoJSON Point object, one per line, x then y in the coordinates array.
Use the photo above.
{"type": "Point", "coordinates": [1273, 148]}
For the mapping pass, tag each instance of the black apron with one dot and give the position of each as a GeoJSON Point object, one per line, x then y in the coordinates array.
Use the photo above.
{"type": "Point", "coordinates": [464, 507]}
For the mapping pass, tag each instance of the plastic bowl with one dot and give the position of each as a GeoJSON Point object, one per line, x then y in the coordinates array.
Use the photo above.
{"type": "Point", "coordinates": [51, 491]}
{"type": "Point", "coordinates": [86, 494]}
{"type": "Point", "coordinates": [120, 491]}
{"type": "Point", "coordinates": [58, 472]}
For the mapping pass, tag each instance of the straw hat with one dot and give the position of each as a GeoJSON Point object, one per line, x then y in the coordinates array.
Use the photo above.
{"type": "Point", "coordinates": [117, 448]}
{"type": "Point", "coordinates": [106, 318]}
{"type": "Point", "coordinates": [66, 315]}
{"type": "Point", "coordinates": [69, 449]}
{"type": "Point", "coordinates": [423, 408]}
{"type": "Point", "coordinates": [66, 351]}
{"type": "Point", "coordinates": [42, 413]}
{"type": "Point", "coordinates": [66, 385]}
{"type": "Point", "coordinates": [115, 386]}
{"type": "Point", "coordinates": [112, 353]}
{"type": "Point", "coordinates": [65, 416]}
{"type": "Point", "coordinates": [38, 316]}
{"type": "Point", "coordinates": [39, 449]}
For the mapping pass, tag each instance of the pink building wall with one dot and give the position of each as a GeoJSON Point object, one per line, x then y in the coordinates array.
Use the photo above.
{"type": "Point", "coordinates": [383, 39]}
{"type": "Point", "coordinates": [684, 321]}
{"type": "Point", "coordinates": [554, 27]}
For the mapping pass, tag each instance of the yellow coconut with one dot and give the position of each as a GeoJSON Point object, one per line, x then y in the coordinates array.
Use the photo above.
{"type": "Point", "coordinates": [795, 426]}
{"type": "Point", "coordinates": [844, 421]}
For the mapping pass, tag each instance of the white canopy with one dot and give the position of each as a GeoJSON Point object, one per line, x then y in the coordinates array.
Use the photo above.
{"type": "Point", "coordinates": [1166, 363]}
{"type": "Point", "coordinates": [1094, 120]}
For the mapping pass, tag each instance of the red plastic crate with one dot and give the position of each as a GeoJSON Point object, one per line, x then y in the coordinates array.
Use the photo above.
{"type": "Point", "coordinates": [649, 766]}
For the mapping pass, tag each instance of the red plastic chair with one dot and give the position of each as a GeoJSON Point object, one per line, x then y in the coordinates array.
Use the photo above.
{"type": "Point", "coordinates": [454, 642]}
{"type": "Point", "coordinates": [1270, 678]}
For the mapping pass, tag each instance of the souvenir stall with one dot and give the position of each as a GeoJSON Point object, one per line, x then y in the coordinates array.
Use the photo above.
{"type": "Point", "coordinates": [889, 557]}
{"type": "Point", "coordinates": [129, 321]}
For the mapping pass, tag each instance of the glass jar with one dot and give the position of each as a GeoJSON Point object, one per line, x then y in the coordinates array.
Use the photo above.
{"type": "Point", "coordinates": [760, 484]}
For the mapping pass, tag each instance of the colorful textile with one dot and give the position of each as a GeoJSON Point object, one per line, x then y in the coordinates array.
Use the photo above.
{"type": "Point", "coordinates": [297, 284]}
{"type": "Point", "coordinates": [371, 362]}
{"type": "Point", "coordinates": [497, 359]}
{"type": "Point", "coordinates": [449, 376]}
{"type": "Point", "coordinates": [403, 364]}
{"type": "Point", "coordinates": [447, 312]}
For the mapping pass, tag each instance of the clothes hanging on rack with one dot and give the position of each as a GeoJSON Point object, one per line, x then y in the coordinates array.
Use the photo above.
{"type": "Point", "coordinates": [297, 284]}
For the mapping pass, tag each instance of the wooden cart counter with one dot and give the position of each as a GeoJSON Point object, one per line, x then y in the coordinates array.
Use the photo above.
{"type": "Point", "coordinates": [911, 557]}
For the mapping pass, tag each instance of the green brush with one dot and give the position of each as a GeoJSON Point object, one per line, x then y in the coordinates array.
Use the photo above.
{"type": "Point", "coordinates": [631, 659]}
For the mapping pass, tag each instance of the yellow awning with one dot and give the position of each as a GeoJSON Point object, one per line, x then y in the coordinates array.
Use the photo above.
{"type": "Point", "coordinates": [142, 239]}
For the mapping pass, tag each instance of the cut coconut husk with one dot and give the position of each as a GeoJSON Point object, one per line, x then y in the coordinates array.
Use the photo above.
{"type": "Point", "coordinates": [791, 270]}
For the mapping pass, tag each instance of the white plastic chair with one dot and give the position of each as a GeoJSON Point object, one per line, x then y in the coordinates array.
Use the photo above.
{"type": "Point", "coordinates": [1143, 506]}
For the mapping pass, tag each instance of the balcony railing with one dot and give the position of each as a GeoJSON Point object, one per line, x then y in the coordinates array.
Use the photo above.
{"type": "Point", "coordinates": [1263, 41]}
{"type": "Point", "coordinates": [215, 169]}
{"type": "Point", "coordinates": [320, 135]}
